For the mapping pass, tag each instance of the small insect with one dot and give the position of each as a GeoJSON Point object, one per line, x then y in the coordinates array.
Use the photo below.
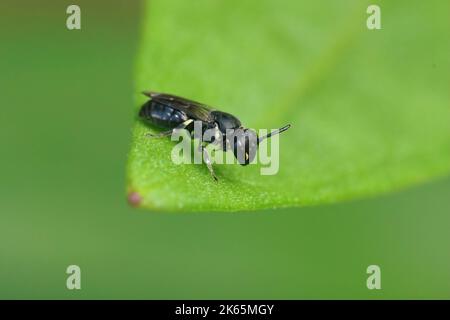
{"type": "Point", "coordinates": [176, 113]}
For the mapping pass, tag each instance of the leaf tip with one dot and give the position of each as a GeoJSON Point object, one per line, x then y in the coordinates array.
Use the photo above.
{"type": "Point", "coordinates": [134, 199]}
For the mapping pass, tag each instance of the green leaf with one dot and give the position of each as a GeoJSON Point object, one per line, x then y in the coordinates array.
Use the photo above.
{"type": "Point", "coordinates": [369, 109]}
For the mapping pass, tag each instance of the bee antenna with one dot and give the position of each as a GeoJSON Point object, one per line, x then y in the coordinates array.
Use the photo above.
{"type": "Point", "coordinates": [278, 131]}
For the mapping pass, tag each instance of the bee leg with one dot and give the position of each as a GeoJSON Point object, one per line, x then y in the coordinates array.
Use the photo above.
{"type": "Point", "coordinates": [208, 162]}
{"type": "Point", "coordinates": [167, 133]}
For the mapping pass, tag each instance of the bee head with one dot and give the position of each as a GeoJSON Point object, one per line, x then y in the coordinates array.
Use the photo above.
{"type": "Point", "coordinates": [245, 144]}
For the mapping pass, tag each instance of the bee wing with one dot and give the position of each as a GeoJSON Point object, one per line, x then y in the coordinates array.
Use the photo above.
{"type": "Point", "coordinates": [193, 109]}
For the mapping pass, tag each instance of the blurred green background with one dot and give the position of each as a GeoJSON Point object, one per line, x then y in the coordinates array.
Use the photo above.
{"type": "Point", "coordinates": [65, 128]}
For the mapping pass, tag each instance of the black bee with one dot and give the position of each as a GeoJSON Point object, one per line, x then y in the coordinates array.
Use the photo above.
{"type": "Point", "coordinates": [175, 113]}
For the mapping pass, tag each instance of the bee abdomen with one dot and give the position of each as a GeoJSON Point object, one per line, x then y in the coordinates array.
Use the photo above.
{"type": "Point", "coordinates": [162, 115]}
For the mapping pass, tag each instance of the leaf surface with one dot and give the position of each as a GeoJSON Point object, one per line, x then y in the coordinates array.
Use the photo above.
{"type": "Point", "coordinates": [369, 109]}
